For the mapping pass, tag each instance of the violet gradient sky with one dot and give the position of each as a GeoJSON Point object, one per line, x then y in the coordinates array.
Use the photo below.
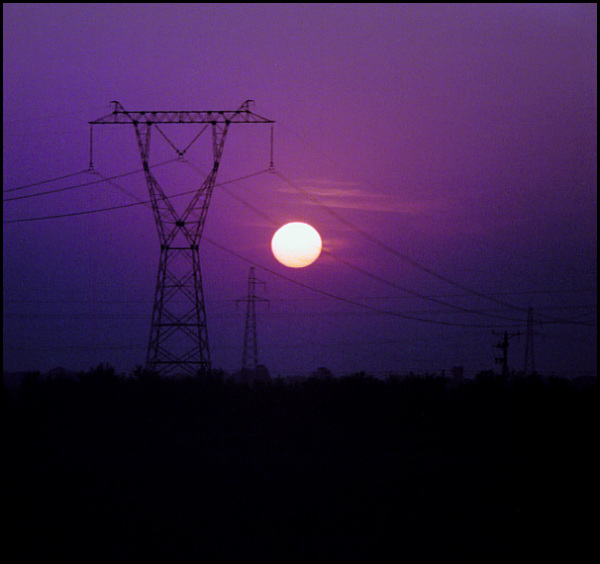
{"type": "Point", "coordinates": [461, 136]}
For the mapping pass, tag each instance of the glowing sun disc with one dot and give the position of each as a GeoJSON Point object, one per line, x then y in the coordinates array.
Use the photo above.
{"type": "Point", "coordinates": [296, 244]}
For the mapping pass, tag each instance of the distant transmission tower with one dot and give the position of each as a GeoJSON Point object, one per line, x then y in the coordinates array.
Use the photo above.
{"type": "Point", "coordinates": [250, 354]}
{"type": "Point", "coordinates": [178, 334]}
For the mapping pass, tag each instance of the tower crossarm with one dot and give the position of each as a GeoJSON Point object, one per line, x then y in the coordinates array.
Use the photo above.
{"type": "Point", "coordinates": [120, 116]}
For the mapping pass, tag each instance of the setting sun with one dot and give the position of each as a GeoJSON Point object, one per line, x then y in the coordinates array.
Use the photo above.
{"type": "Point", "coordinates": [296, 244]}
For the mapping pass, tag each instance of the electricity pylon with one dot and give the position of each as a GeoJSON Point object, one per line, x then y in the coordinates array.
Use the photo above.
{"type": "Point", "coordinates": [250, 354]}
{"type": "Point", "coordinates": [178, 334]}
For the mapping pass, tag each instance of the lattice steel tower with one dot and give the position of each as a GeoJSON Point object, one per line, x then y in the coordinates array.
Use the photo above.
{"type": "Point", "coordinates": [178, 335]}
{"type": "Point", "coordinates": [250, 354]}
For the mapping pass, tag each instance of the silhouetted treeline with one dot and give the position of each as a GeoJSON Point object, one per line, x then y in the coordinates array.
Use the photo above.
{"type": "Point", "coordinates": [106, 468]}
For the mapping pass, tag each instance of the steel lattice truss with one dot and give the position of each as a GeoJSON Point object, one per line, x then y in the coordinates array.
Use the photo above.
{"type": "Point", "coordinates": [178, 335]}
{"type": "Point", "coordinates": [119, 116]}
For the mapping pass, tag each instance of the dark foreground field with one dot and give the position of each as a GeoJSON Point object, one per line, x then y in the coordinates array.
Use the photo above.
{"type": "Point", "coordinates": [106, 468]}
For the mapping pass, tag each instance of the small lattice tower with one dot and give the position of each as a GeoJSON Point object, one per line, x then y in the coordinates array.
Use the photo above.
{"type": "Point", "coordinates": [250, 353]}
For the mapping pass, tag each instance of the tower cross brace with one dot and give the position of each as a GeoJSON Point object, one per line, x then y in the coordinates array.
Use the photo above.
{"type": "Point", "coordinates": [178, 334]}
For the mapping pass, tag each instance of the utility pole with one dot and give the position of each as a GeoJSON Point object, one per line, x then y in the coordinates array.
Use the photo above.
{"type": "Point", "coordinates": [178, 335]}
{"type": "Point", "coordinates": [250, 354]}
{"type": "Point", "coordinates": [503, 346]}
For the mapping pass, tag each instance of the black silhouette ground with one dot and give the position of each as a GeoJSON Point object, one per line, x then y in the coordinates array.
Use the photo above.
{"type": "Point", "coordinates": [123, 469]}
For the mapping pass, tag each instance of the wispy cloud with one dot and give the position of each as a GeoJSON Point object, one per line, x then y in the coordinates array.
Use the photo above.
{"type": "Point", "coordinates": [355, 196]}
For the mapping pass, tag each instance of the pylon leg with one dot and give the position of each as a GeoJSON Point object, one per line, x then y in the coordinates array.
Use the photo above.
{"type": "Point", "coordinates": [178, 336]}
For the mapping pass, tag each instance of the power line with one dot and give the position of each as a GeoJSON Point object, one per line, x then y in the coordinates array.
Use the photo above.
{"type": "Point", "coordinates": [83, 184]}
{"type": "Point", "coordinates": [138, 201]}
{"type": "Point", "coordinates": [371, 275]}
{"type": "Point", "coordinates": [379, 298]}
{"type": "Point", "coordinates": [367, 273]}
{"type": "Point", "coordinates": [319, 152]}
{"type": "Point", "coordinates": [383, 245]}
{"type": "Point", "coordinates": [329, 294]}
{"type": "Point", "coordinates": [317, 290]}
{"type": "Point", "coordinates": [365, 306]}
{"type": "Point", "coordinates": [48, 181]}
{"type": "Point", "coordinates": [322, 292]}
{"type": "Point", "coordinates": [218, 315]}
{"type": "Point", "coordinates": [405, 257]}
{"type": "Point", "coordinates": [347, 300]}
{"type": "Point", "coordinates": [74, 214]}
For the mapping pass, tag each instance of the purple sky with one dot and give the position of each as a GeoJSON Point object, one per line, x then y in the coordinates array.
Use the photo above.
{"type": "Point", "coordinates": [461, 137]}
